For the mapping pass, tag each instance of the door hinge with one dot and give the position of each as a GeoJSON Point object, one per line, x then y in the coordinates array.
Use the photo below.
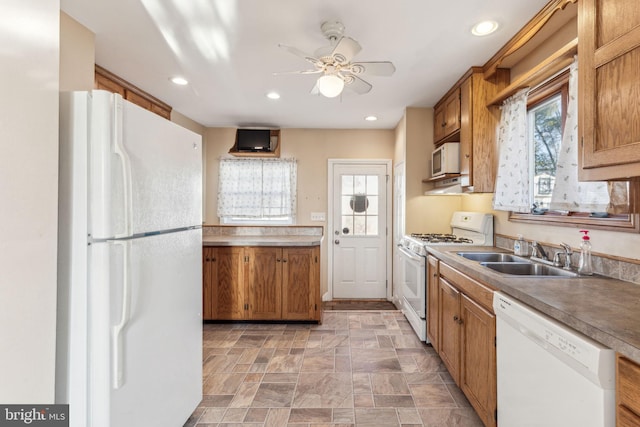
{"type": "Point", "coordinates": [495, 415]}
{"type": "Point", "coordinates": [387, 178]}
{"type": "Point", "coordinates": [386, 284]}
{"type": "Point", "coordinates": [315, 307]}
{"type": "Point", "coordinates": [316, 259]}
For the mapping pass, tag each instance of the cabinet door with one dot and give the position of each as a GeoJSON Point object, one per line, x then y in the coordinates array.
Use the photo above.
{"type": "Point", "coordinates": [298, 284]}
{"type": "Point", "coordinates": [450, 328]}
{"type": "Point", "coordinates": [626, 418]}
{"type": "Point", "coordinates": [433, 302]}
{"type": "Point", "coordinates": [438, 123]}
{"type": "Point", "coordinates": [609, 87]}
{"type": "Point", "coordinates": [452, 113]}
{"type": "Point", "coordinates": [264, 283]}
{"type": "Point", "coordinates": [228, 290]}
{"type": "Point", "coordinates": [627, 392]}
{"type": "Point", "coordinates": [478, 359]}
{"type": "Point", "coordinates": [208, 279]}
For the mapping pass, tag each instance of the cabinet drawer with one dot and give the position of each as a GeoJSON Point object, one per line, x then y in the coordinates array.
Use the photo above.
{"type": "Point", "coordinates": [628, 384]}
{"type": "Point", "coordinates": [479, 292]}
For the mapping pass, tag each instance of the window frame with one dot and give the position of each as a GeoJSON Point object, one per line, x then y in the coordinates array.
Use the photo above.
{"type": "Point", "coordinates": [616, 222]}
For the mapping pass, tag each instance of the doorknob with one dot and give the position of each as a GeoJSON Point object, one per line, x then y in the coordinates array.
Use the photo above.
{"type": "Point", "coordinates": [337, 242]}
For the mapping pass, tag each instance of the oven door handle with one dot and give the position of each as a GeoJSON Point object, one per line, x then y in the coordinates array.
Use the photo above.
{"type": "Point", "coordinates": [411, 255]}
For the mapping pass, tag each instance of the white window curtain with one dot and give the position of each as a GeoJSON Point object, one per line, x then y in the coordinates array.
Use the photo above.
{"type": "Point", "coordinates": [512, 181]}
{"type": "Point", "coordinates": [257, 188]}
{"type": "Point", "coordinates": [568, 193]}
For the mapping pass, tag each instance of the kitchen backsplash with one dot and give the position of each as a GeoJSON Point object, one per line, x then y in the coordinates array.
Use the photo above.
{"type": "Point", "coordinates": [602, 265]}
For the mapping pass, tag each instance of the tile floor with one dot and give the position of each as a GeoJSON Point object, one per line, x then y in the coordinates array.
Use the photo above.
{"type": "Point", "coordinates": [359, 368]}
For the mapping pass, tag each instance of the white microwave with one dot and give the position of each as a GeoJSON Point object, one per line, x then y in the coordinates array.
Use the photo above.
{"type": "Point", "coordinates": [445, 159]}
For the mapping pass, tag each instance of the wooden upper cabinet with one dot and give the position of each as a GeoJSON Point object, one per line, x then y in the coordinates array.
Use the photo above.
{"type": "Point", "coordinates": [106, 80]}
{"type": "Point", "coordinates": [447, 117]}
{"type": "Point", "coordinates": [478, 122]}
{"type": "Point", "coordinates": [609, 89]}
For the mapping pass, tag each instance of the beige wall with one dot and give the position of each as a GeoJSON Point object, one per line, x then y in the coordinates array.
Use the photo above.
{"type": "Point", "coordinates": [77, 55]}
{"type": "Point", "coordinates": [312, 148]}
{"type": "Point", "coordinates": [29, 198]}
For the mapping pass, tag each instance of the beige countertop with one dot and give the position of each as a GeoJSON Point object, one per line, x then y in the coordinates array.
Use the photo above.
{"type": "Point", "coordinates": [605, 309]}
{"type": "Point", "coordinates": [248, 240]}
{"type": "Point", "coordinates": [225, 235]}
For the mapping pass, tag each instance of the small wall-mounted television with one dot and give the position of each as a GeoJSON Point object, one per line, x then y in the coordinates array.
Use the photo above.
{"type": "Point", "coordinates": [253, 140]}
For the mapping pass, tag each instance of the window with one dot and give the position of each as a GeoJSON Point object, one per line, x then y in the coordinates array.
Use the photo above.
{"type": "Point", "coordinates": [545, 123]}
{"type": "Point", "coordinates": [257, 191]}
{"type": "Point", "coordinates": [547, 108]}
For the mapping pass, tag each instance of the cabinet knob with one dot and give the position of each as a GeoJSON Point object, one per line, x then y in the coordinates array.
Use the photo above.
{"type": "Point", "coordinates": [466, 156]}
{"type": "Point", "coordinates": [277, 259]}
{"type": "Point", "coordinates": [284, 260]}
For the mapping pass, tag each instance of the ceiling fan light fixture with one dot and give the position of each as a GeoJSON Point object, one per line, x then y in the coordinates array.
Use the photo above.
{"type": "Point", "coordinates": [273, 95]}
{"type": "Point", "coordinates": [330, 85]}
{"type": "Point", "coordinates": [371, 118]}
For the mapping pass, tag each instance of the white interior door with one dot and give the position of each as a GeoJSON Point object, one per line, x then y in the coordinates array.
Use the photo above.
{"type": "Point", "coordinates": [359, 235]}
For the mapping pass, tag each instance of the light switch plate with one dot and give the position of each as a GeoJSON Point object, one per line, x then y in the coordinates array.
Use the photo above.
{"type": "Point", "coordinates": [318, 216]}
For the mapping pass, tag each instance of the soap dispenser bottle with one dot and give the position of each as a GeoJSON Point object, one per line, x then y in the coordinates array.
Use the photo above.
{"type": "Point", "coordinates": [585, 267]}
{"type": "Point", "coordinates": [520, 246]}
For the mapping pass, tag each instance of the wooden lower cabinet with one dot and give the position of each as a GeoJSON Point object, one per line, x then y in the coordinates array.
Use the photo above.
{"type": "Point", "coordinates": [432, 302]}
{"type": "Point", "coordinates": [467, 339]}
{"type": "Point", "coordinates": [627, 392]}
{"type": "Point", "coordinates": [264, 283]}
{"type": "Point", "coordinates": [261, 283]}
{"type": "Point", "coordinates": [223, 289]}
{"type": "Point", "coordinates": [450, 328]}
{"type": "Point", "coordinates": [478, 374]}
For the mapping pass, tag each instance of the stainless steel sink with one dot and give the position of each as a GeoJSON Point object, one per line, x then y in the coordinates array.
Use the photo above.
{"type": "Point", "coordinates": [528, 269]}
{"type": "Point", "coordinates": [491, 257]}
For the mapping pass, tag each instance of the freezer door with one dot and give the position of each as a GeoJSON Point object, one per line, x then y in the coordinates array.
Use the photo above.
{"type": "Point", "coordinates": [146, 331]}
{"type": "Point", "coordinates": [145, 171]}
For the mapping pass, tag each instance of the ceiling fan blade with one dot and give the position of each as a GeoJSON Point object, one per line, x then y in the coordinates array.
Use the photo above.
{"type": "Point", "coordinates": [356, 84]}
{"type": "Point", "coordinates": [315, 90]}
{"type": "Point", "coordinates": [384, 68]}
{"type": "Point", "coordinates": [301, 54]}
{"type": "Point", "coordinates": [297, 72]}
{"type": "Point", "coordinates": [345, 49]}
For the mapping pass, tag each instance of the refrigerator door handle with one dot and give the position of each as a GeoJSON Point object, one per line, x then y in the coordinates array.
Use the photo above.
{"type": "Point", "coordinates": [119, 150]}
{"type": "Point", "coordinates": [118, 330]}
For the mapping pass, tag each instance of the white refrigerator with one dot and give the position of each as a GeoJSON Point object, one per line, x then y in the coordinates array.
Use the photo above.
{"type": "Point", "coordinates": [129, 327]}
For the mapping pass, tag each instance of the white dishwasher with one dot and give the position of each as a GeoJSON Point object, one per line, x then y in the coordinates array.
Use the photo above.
{"type": "Point", "coordinates": [548, 374]}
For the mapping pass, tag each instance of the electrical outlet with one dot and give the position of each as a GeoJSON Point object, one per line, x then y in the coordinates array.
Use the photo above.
{"type": "Point", "coordinates": [318, 216]}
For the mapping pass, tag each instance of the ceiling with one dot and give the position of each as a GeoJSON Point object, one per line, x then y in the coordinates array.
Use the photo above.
{"type": "Point", "coordinates": [228, 51]}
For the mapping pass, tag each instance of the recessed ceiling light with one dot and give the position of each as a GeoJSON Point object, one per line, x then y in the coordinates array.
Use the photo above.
{"type": "Point", "coordinates": [371, 118]}
{"type": "Point", "coordinates": [273, 95]}
{"type": "Point", "coordinates": [179, 81]}
{"type": "Point", "coordinates": [484, 28]}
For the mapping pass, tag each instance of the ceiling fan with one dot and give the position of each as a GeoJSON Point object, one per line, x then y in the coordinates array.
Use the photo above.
{"type": "Point", "coordinates": [334, 63]}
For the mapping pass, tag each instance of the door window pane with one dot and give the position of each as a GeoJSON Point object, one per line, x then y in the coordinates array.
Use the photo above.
{"type": "Point", "coordinates": [360, 205]}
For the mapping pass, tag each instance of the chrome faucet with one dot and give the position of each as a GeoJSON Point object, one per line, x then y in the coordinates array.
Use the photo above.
{"type": "Point", "coordinates": [538, 252]}
{"type": "Point", "coordinates": [567, 256]}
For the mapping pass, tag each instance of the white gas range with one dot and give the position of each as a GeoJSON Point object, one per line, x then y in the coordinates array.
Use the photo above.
{"type": "Point", "coordinates": [467, 228]}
